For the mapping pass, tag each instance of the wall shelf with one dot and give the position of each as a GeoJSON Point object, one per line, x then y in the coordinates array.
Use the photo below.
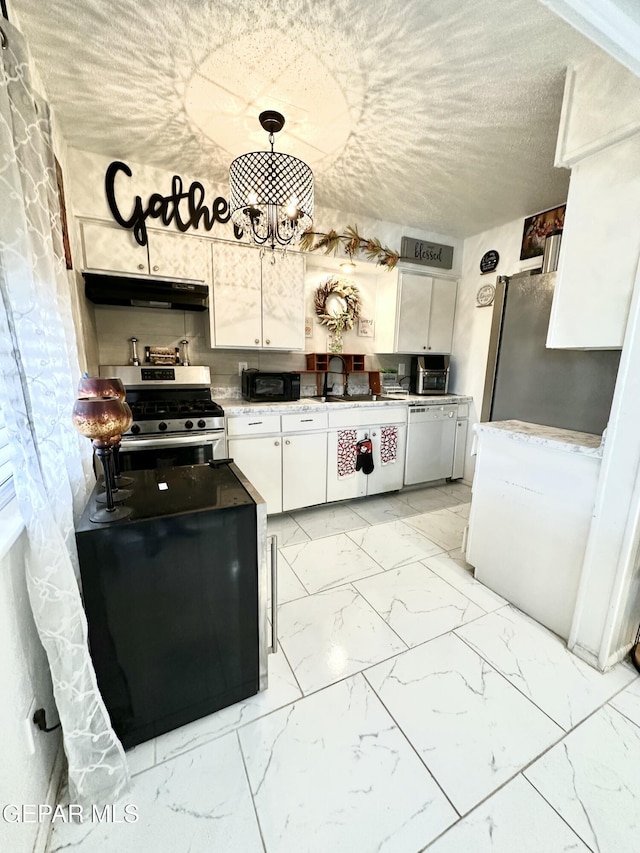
{"type": "Point", "coordinates": [318, 363]}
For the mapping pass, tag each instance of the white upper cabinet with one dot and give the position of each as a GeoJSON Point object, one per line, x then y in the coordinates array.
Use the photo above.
{"type": "Point", "coordinates": [257, 303]}
{"type": "Point", "coordinates": [599, 252]}
{"type": "Point", "coordinates": [599, 138]}
{"type": "Point", "coordinates": [167, 254]}
{"type": "Point", "coordinates": [174, 255]}
{"type": "Point", "coordinates": [237, 311]}
{"type": "Point", "coordinates": [283, 302]}
{"type": "Point", "coordinates": [425, 314]}
{"type": "Point", "coordinates": [112, 248]}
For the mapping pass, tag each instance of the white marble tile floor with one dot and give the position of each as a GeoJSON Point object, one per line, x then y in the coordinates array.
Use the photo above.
{"type": "Point", "coordinates": [333, 634]}
{"type": "Point", "coordinates": [416, 603]}
{"type": "Point", "coordinates": [394, 544]}
{"type": "Point", "coordinates": [536, 662]}
{"type": "Point", "coordinates": [409, 710]}
{"type": "Point", "coordinates": [472, 729]}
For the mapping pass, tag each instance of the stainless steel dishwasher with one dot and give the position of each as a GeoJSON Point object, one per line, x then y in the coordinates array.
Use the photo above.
{"type": "Point", "coordinates": [431, 439]}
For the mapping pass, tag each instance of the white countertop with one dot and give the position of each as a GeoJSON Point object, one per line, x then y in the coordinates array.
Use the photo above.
{"type": "Point", "coordinates": [243, 407]}
{"type": "Point", "coordinates": [568, 440]}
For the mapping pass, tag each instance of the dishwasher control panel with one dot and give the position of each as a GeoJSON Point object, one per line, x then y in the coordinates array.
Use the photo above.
{"type": "Point", "coordinates": [432, 413]}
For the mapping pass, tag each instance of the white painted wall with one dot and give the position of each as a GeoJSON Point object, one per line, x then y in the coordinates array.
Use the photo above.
{"type": "Point", "coordinates": [26, 685]}
{"type": "Point", "coordinates": [472, 324]}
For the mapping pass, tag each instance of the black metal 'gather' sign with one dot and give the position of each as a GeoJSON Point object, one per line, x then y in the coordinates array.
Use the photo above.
{"type": "Point", "coordinates": [184, 207]}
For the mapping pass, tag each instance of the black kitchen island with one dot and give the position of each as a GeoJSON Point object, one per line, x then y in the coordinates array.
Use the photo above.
{"type": "Point", "coordinates": [175, 598]}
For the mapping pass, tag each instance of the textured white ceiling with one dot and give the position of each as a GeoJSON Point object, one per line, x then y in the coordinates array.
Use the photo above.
{"type": "Point", "coordinates": [438, 114]}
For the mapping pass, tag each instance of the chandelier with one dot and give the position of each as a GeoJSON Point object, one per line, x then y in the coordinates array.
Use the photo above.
{"type": "Point", "coordinates": [271, 193]}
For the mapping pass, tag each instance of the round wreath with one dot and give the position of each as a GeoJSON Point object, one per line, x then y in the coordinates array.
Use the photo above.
{"type": "Point", "coordinates": [346, 290]}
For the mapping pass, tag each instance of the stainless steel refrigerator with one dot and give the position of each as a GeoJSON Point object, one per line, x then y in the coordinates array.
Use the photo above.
{"type": "Point", "coordinates": [526, 381]}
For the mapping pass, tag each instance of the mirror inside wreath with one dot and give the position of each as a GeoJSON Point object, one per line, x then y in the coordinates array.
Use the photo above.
{"type": "Point", "coordinates": [337, 304]}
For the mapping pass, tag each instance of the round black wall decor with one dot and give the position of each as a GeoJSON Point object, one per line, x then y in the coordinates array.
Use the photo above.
{"type": "Point", "coordinates": [489, 261]}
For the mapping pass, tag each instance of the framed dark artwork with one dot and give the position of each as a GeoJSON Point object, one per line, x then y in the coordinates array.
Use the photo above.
{"type": "Point", "coordinates": [537, 228]}
{"type": "Point", "coordinates": [63, 217]}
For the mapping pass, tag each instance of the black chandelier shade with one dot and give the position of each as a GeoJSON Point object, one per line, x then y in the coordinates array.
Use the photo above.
{"type": "Point", "coordinates": [271, 196]}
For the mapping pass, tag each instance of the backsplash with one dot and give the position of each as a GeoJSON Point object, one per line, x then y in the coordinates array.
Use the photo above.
{"type": "Point", "coordinates": [156, 327]}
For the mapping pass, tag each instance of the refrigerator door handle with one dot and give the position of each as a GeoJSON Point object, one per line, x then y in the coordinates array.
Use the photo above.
{"type": "Point", "coordinates": [273, 648]}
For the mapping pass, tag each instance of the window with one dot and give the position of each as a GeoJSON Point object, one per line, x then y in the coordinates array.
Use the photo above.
{"type": "Point", "coordinates": [6, 466]}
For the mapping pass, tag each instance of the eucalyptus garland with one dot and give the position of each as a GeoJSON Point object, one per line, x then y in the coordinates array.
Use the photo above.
{"type": "Point", "coordinates": [346, 290]}
{"type": "Point", "coordinates": [352, 243]}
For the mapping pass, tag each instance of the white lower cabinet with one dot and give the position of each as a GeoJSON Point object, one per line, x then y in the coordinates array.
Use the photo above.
{"type": "Point", "coordinates": [304, 470]}
{"type": "Point", "coordinates": [296, 459]}
{"type": "Point", "coordinates": [288, 468]}
{"type": "Point", "coordinates": [260, 460]}
{"type": "Point", "coordinates": [385, 477]}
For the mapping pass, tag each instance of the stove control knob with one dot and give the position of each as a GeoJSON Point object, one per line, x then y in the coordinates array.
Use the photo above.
{"type": "Point", "coordinates": [188, 424]}
{"type": "Point", "coordinates": [202, 424]}
{"type": "Point", "coordinates": [162, 426]}
{"type": "Point", "coordinates": [135, 429]}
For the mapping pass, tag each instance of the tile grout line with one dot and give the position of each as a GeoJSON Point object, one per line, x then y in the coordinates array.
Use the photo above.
{"type": "Point", "coordinates": [479, 583]}
{"type": "Point", "coordinates": [253, 801]}
{"type": "Point", "coordinates": [510, 683]}
{"type": "Point", "coordinates": [293, 672]}
{"type": "Point", "coordinates": [390, 627]}
{"type": "Point", "coordinates": [562, 818]}
{"type": "Point", "coordinates": [414, 750]}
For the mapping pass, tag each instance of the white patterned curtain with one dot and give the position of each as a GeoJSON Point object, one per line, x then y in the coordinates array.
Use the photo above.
{"type": "Point", "coordinates": [38, 375]}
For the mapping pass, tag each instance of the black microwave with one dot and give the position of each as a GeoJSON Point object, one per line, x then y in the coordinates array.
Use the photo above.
{"type": "Point", "coordinates": [258, 386]}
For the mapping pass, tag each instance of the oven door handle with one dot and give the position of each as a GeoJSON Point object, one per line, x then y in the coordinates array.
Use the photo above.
{"type": "Point", "coordinates": [170, 441]}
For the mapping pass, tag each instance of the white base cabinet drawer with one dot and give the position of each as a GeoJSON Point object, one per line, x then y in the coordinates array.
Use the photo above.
{"type": "Point", "coordinates": [305, 421]}
{"type": "Point", "coordinates": [253, 425]}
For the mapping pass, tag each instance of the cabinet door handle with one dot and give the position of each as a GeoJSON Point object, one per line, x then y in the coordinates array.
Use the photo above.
{"type": "Point", "coordinates": [306, 420]}
{"type": "Point", "coordinates": [274, 595]}
{"type": "Point", "coordinates": [140, 266]}
{"type": "Point", "coordinates": [256, 341]}
{"type": "Point", "coordinates": [255, 423]}
{"type": "Point", "coordinates": [156, 268]}
{"type": "Point", "coordinates": [277, 443]}
{"type": "Point", "coordinates": [287, 441]}
{"type": "Point", "coordinates": [268, 341]}
{"type": "Point", "coordinates": [374, 434]}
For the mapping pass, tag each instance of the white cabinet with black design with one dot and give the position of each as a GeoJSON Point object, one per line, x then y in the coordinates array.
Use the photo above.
{"type": "Point", "coordinates": [385, 428]}
{"type": "Point", "coordinates": [258, 301]}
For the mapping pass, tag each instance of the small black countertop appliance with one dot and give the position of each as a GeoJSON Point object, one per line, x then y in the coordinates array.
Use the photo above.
{"type": "Point", "coordinates": [259, 386]}
{"type": "Point", "coordinates": [175, 598]}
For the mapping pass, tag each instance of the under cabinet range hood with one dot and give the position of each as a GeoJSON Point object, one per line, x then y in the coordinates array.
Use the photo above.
{"type": "Point", "coordinates": [115, 289]}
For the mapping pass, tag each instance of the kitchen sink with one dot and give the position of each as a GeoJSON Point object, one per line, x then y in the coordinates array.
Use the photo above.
{"type": "Point", "coordinates": [357, 398]}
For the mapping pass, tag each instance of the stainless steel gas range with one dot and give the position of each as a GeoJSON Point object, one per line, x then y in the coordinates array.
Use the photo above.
{"type": "Point", "coordinates": [175, 421]}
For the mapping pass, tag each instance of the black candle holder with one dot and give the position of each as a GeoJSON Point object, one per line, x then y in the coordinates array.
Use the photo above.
{"type": "Point", "coordinates": [110, 512]}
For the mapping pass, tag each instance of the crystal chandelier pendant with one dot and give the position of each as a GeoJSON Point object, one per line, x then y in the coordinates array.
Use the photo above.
{"type": "Point", "coordinates": [271, 194]}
